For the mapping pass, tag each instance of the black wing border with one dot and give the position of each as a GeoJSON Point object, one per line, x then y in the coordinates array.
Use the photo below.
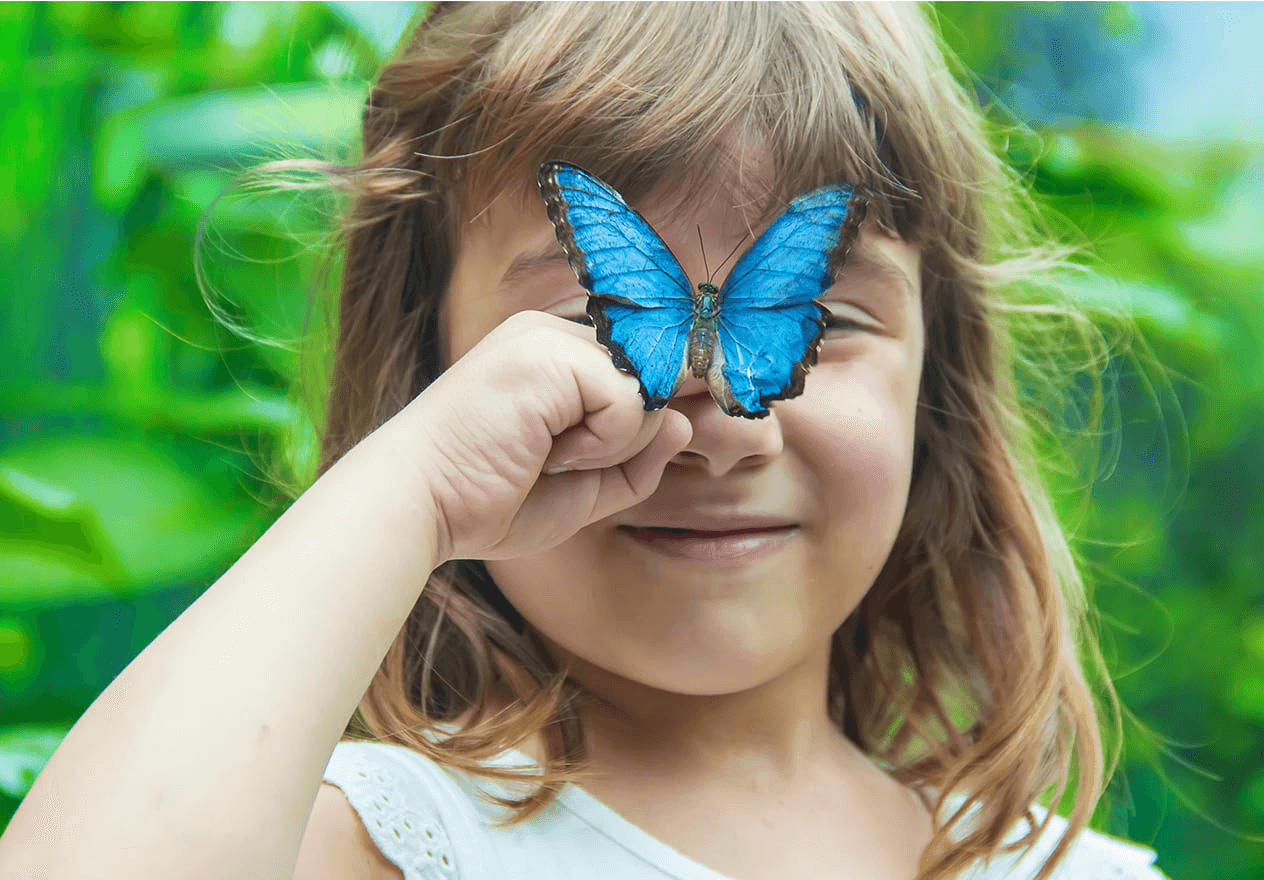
{"type": "Point", "coordinates": [848, 231]}
{"type": "Point", "coordinates": [556, 205]}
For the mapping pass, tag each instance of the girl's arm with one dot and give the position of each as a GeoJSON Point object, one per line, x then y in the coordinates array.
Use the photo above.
{"type": "Point", "coordinates": [337, 845]}
{"type": "Point", "coordinates": [204, 756]}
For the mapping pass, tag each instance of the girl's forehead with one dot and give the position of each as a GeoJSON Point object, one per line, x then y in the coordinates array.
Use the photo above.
{"type": "Point", "coordinates": [744, 186]}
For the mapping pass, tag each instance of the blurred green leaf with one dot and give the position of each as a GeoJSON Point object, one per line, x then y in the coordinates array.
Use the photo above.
{"type": "Point", "coordinates": [382, 25]}
{"type": "Point", "coordinates": [24, 750]}
{"type": "Point", "coordinates": [138, 494]}
{"type": "Point", "coordinates": [17, 647]}
{"type": "Point", "coordinates": [37, 514]}
{"type": "Point", "coordinates": [1247, 696]}
{"type": "Point", "coordinates": [1228, 238]}
{"type": "Point", "coordinates": [221, 129]}
{"type": "Point", "coordinates": [237, 410]}
{"type": "Point", "coordinates": [1145, 175]}
{"type": "Point", "coordinates": [1162, 313]}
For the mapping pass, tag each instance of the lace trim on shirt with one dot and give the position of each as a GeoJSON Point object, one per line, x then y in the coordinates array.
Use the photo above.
{"type": "Point", "coordinates": [410, 833]}
{"type": "Point", "coordinates": [407, 833]}
{"type": "Point", "coordinates": [1101, 857]}
{"type": "Point", "coordinates": [1093, 855]}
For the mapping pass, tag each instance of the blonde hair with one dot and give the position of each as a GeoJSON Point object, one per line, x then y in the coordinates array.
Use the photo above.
{"type": "Point", "coordinates": [963, 666]}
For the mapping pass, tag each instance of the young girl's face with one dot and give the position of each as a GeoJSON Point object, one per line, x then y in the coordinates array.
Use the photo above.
{"type": "Point", "coordinates": [793, 515]}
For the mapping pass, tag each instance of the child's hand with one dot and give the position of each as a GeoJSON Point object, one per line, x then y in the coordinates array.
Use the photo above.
{"type": "Point", "coordinates": [532, 435]}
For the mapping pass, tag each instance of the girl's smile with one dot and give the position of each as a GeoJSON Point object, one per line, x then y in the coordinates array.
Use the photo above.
{"type": "Point", "coordinates": [733, 547]}
{"type": "Point", "coordinates": [717, 535]}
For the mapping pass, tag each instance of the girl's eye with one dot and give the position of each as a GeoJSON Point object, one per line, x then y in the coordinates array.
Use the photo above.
{"type": "Point", "coordinates": [573, 309]}
{"type": "Point", "coordinates": [839, 323]}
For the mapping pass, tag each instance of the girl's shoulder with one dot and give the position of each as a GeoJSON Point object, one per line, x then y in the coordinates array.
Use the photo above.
{"type": "Point", "coordinates": [1098, 856]}
{"type": "Point", "coordinates": [403, 803]}
{"type": "Point", "coordinates": [438, 823]}
{"type": "Point", "coordinates": [435, 823]}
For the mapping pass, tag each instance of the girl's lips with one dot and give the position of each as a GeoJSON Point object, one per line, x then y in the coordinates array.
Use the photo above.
{"type": "Point", "coordinates": [734, 545]}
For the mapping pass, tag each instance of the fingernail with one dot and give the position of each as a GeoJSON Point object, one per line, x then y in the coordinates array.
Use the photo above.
{"type": "Point", "coordinates": [555, 470]}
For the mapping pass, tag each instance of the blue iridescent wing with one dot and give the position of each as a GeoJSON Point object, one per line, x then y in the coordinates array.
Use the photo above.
{"type": "Point", "coordinates": [770, 324]}
{"type": "Point", "coordinates": [640, 299]}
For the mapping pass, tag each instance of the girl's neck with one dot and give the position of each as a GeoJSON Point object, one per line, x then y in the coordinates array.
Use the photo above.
{"type": "Point", "coordinates": [778, 731]}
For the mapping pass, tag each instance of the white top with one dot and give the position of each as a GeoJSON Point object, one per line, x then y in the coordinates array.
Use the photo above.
{"type": "Point", "coordinates": [430, 821]}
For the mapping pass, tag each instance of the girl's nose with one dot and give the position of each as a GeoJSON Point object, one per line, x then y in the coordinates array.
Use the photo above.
{"type": "Point", "coordinates": [722, 443]}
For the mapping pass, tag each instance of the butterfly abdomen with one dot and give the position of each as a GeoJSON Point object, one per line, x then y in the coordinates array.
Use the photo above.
{"type": "Point", "coordinates": [706, 314]}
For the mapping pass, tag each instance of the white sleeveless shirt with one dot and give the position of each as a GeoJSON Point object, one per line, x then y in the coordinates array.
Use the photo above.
{"type": "Point", "coordinates": [431, 822]}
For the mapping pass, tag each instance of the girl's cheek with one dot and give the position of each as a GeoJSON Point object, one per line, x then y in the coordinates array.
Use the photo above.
{"type": "Point", "coordinates": [854, 427]}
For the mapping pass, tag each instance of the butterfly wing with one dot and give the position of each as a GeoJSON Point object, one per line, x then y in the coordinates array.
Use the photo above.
{"type": "Point", "coordinates": [770, 324]}
{"type": "Point", "coordinates": [640, 299]}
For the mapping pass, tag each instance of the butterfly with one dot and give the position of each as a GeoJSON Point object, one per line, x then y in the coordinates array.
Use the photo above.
{"type": "Point", "coordinates": [752, 340]}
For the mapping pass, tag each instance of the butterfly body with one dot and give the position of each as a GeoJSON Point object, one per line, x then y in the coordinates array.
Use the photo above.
{"type": "Point", "coordinates": [753, 340]}
{"type": "Point", "coordinates": [702, 335]}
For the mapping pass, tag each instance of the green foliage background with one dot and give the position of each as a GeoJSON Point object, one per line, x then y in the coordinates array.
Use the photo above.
{"type": "Point", "coordinates": [133, 427]}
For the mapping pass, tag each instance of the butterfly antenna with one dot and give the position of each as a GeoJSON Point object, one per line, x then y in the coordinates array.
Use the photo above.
{"type": "Point", "coordinates": [703, 248]}
{"type": "Point", "coordinates": [732, 252]}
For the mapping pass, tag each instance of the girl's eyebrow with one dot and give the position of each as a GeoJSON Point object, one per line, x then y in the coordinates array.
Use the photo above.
{"type": "Point", "coordinates": [550, 254]}
{"type": "Point", "coordinates": [524, 264]}
{"type": "Point", "coordinates": [878, 267]}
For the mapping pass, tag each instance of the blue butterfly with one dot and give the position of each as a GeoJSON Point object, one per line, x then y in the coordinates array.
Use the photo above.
{"type": "Point", "coordinates": [753, 341]}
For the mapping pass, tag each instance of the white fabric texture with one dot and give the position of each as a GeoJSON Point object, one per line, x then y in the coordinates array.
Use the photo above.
{"type": "Point", "coordinates": [431, 822]}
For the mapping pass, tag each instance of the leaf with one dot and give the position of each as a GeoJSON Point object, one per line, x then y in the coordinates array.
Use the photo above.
{"type": "Point", "coordinates": [382, 25]}
{"type": "Point", "coordinates": [24, 750]}
{"type": "Point", "coordinates": [1113, 163]}
{"type": "Point", "coordinates": [226, 129]}
{"type": "Point", "coordinates": [1228, 238]}
{"type": "Point", "coordinates": [242, 409]}
{"type": "Point", "coordinates": [56, 519]}
{"type": "Point", "coordinates": [161, 521]}
{"type": "Point", "coordinates": [19, 657]}
{"type": "Point", "coordinates": [1157, 309]}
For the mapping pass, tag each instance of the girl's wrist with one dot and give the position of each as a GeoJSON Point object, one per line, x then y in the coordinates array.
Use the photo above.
{"type": "Point", "coordinates": [401, 463]}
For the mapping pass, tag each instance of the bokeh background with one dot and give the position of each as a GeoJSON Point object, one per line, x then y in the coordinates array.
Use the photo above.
{"type": "Point", "coordinates": [139, 441]}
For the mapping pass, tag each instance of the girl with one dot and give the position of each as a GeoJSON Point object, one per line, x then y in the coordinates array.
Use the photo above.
{"type": "Point", "coordinates": [838, 641]}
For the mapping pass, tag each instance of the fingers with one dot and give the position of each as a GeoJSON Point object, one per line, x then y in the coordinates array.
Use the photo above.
{"type": "Point", "coordinates": [636, 479]}
{"type": "Point", "coordinates": [608, 424]}
{"type": "Point", "coordinates": [615, 428]}
{"type": "Point", "coordinates": [536, 435]}
{"type": "Point", "coordinates": [619, 487]}
{"type": "Point", "coordinates": [608, 437]}
{"type": "Point", "coordinates": [567, 501]}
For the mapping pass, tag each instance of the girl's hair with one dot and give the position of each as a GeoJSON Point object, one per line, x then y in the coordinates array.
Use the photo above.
{"type": "Point", "coordinates": [961, 667]}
